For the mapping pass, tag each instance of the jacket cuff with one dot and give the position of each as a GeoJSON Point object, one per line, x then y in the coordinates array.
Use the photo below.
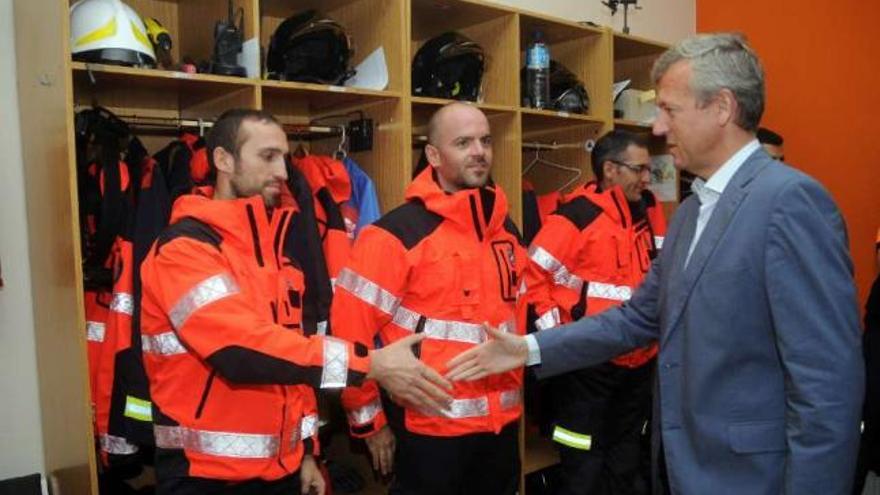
{"type": "Point", "coordinates": [367, 420]}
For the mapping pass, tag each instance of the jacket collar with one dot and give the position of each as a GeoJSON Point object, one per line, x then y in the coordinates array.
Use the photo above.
{"type": "Point", "coordinates": [482, 209]}
{"type": "Point", "coordinates": [243, 223]}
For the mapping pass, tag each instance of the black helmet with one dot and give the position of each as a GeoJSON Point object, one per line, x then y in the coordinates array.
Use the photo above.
{"type": "Point", "coordinates": [567, 92]}
{"type": "Point", "coordinates": [310, 47]}
{"type": "Point", "coordinates": [448, 66]}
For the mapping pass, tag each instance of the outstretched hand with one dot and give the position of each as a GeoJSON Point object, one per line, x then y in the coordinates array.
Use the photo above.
{"type": "Point", "coordinates": [502, 352]}
{"type": "Point", "coordinates": [406, 378]}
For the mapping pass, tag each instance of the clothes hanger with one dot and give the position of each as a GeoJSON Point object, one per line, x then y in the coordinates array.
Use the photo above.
{"type": "Point", "coordinates": [340, 153]}
{"type": "Point", "coordinates": [538, 160]}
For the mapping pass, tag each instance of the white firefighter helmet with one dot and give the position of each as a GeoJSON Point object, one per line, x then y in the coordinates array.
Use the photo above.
{"type": "Point", "coordinates": [109, 31]}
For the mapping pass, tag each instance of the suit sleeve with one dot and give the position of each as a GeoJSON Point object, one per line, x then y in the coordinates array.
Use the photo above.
{"type": "Point", "coordinates": [213, 316]}
{"type": "Point", "coordinates": [809, 282]}
{"type": "Point", "coordinates": [368, 292]}
{"type": "Point", "coordinates": [596, 339]}
{"type": "Point", "coordinates": [549, 261]}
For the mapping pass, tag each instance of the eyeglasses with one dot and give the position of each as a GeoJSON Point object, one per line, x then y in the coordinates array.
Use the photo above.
{"type": "Point", "coordinates": [638, 169]}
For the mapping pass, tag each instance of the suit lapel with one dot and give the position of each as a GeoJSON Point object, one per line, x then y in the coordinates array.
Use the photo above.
{"type": "Point", "coordinates": [684, 279]}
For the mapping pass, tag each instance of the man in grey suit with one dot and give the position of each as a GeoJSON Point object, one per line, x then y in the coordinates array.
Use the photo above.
{"type": "Point", "coordinates": [759, 383]}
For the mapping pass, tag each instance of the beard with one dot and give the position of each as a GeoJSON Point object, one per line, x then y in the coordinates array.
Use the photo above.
{"type": "Point", "coordinates": [270, 199]}
{"type": "Point", "coordinates": [476, 174]}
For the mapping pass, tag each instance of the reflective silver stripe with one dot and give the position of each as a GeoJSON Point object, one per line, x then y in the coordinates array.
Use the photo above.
{"type": "Point", "coordinates": [609, 291]}
{"type": "Point", "coordinates": [456, 331]}
{"type": "Point", "coordinates": [549, 319]}
{"type": "Point", "coordinates": [365, 414]}
{"type": "Point", "coordinates": [205, 292]}
{"type": "Point", "coordinates": [511, 398]}
{"type": "Point", "coordinates": [122, 303]}
{"type": "Point", "coordinates": [95, 331]}
{"type": "Point", "coordinates": [322, 327]}
{"type": "Point", "coordinates": [217, 443]}
{"type": "Point", "coordinates": [335, 372]}
{"type": "Point", "coordinates": [309, 426]}
{"type": "Point", "coordinates": [117, 445]}
{"type": "Point", "coordinates": [367, 291]}
{"type": "Point", "coordinates": [164, 344]}
{"type": "Point", "coordinates": [561, 275]}
{"type": "Point", "coordinates": [658, 241]}
{"type": "Point", "coordinates": [464, 408]}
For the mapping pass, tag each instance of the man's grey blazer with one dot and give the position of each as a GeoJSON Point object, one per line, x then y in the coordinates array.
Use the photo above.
{"type": "Point", "coordinates": [760, 376]}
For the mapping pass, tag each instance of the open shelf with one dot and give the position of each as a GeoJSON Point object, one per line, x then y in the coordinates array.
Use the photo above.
{"type": "Point", "coordinates": [632, 125]}
{"type": "Point", "coordinates": [583, 50]}
{"type": "Point", "coordinates": [493, 28]}
{"type": "Point", "coordinates": [369, 23]}
{"type": "Point", "coordinates": [160, 78]}
{"type": "Point", "coordinates": [191, 23]}
{"type": "Point", "coordinates": [159, 93]}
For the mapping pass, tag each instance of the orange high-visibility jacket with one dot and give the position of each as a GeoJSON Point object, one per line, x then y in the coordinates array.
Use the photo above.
{"type": "Point", "coordinates": [230, 372]}
{"type": "Point", "coordinates": [441, 264]}
{"type": "Point", "coordinates": [590, 256]}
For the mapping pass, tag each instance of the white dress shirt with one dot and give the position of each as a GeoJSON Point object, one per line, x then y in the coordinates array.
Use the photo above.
{"type": "Point", "coordinates": [709, 192]}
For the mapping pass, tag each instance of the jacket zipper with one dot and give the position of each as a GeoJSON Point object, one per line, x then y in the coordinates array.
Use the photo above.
{"type": "Point", "coordinates": [252, 219]}
{"type": "Point", "coordinates": [205, 394]}
{"type": "Point", "coordinates": [281, 433]}
{"type": "Point", "coordinates": [476, 217]}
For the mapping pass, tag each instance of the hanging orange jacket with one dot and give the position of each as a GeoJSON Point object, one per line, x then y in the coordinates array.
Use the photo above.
{"type": "Point", "coordinates": [331, 187]}
{"type": "Point", "coordinates": [230, 371]}
{"type": "Point", "coordinates": [117, 337]}
{"type": "Point", "coordinates": [441, 264]}
{"type": "Point", "coordinates": [590, 256]}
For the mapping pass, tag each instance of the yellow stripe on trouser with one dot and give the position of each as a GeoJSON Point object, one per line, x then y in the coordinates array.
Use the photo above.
{"type": "Point", "coordinates": [572, 439]}
{"type": "Point", "coordinates": [139, 409]}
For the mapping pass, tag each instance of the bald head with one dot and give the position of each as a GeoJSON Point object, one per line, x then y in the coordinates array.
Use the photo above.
{"type": "Point", "coordinates": [459, 146]}
{"type": "Point", "coordinates": [447, 118]}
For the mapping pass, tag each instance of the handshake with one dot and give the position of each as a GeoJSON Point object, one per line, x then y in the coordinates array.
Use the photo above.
{"type": "Point", "coordinates": [413, 383]}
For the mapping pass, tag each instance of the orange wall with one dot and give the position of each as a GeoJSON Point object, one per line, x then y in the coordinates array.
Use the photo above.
{"type": "Point", "coordinates": [822, 68]}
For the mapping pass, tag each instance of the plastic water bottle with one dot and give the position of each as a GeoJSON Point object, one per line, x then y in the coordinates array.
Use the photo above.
{"type": "Point", "coordinates": [538, 72]}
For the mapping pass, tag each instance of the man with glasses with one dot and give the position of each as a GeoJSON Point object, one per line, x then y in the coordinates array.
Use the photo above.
{"type": "Point", "coordinates": [590, 255]}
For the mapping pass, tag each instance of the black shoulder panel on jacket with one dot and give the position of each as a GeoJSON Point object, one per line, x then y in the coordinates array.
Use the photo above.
{"type": "Point", "coordinates": [513, 230]}
{"type": "Point", "coordinates": [579, 211]}
{"type": "Point", "coordinates": [410, 222]}
{"type": "Point", "coordinates": [191, 228]}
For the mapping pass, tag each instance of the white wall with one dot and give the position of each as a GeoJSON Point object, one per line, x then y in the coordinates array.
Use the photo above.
{"type": "Point", "coordinates": [21, 441]}
{"type": "Point", "coordinates": [661, 20]}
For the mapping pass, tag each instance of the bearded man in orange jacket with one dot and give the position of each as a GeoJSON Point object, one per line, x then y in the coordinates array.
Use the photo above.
{"type": "Point", "coordinates": [232, 376]}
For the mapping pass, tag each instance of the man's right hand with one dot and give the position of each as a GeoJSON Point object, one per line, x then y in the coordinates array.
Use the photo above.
{"type": "Point", "coordinates": [381, 445]}
{"type": "Point", "coordinates": [406, 378]}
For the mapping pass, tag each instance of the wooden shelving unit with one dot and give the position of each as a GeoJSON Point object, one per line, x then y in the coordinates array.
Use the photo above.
{"type": "Point", "coordinates": [51, 87]}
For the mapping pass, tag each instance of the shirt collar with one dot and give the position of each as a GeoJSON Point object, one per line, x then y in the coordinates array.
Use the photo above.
{"type": "Point", "coordinates": [719, 180]}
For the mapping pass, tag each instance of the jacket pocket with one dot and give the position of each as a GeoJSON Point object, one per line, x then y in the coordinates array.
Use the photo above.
{"type": "Point", "coordinates": [757, 436]}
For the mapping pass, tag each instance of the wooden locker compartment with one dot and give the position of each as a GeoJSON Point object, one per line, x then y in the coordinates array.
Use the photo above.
{"type": "Point", "coordinates": [369, 23]}
{"type": "Point", "coordinates": [583, 50]}
{"type": "Point", "coordinates": [191, 23]}
{"type": "Point", "coordinates": [384, 163]}
{"type": "Point", "coordinates": [493, 28]}
{"type": "Point", "coordinates": [571, 140]}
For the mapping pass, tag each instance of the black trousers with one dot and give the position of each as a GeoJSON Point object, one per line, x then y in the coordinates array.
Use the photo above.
{"type": "Point", "coordinates": [477, 464]}
{"type": "Point", "coordinates": [289, 485]}
{"type": "Point", "coordinates": [611, 404]}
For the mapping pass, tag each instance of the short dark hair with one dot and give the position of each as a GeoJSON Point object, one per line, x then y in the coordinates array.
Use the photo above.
{"type": "Point", "coordinates": [766, 136]}
{"type": "Point", "coordinates": [611, 146]}
{"type": "Point", "coordinates": [225, 132]}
